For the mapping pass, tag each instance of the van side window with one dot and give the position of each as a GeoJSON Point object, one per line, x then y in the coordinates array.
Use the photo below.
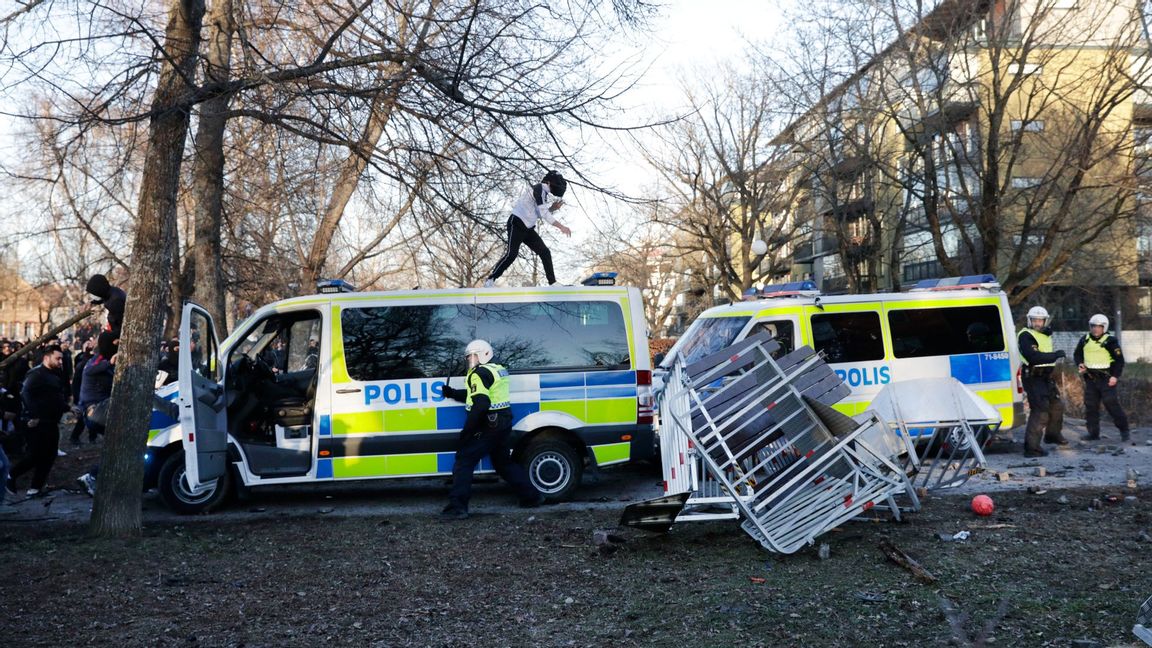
{"type": "Point", "coordinates": [922, 332]}
{"type": "Point", "coordinates": [781, 331]}
{"type": "Point", "coordinates": [400, 342]}
{"type": "Point", "coordinates": [531, 337]}
{"type": "Point", "coordinates": [848, 337]}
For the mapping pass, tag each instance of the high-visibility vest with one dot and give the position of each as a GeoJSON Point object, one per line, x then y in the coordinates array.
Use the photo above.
{"type": "Point", "coordinates": [498, 394]}
{"type": "Point", "coordinates": [1095, 355]}
{"type": "Point", "coordinates": [1043, 343]}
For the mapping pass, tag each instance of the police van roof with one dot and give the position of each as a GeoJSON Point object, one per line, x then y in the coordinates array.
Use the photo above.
{"type": "Point", "coordinates": [803, 294]}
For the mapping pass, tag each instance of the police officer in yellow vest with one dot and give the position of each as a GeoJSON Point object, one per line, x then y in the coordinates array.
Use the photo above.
{"type": "Point", "coordinates": [486, 431]}
{"type": "Point", "coordinates": [1101, 363]}
{"type": "Point", "coordinates": [1045, 409]}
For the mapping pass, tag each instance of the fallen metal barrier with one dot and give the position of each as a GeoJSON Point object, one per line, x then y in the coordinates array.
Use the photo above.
{"type": "Point", "coordinates": [943, 427]}
{"type": "Point", "coordinates": [755, 438]}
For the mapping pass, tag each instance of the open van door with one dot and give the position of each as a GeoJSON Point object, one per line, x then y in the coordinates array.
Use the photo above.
{"type": "Point", "coordinates": [203, 416]}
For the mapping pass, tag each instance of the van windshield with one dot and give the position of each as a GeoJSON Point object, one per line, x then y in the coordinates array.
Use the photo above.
{"type": "Point", "coordinates": [706, 335]}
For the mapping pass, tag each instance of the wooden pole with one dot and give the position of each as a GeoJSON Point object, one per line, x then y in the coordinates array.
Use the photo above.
{"type": "Point", "coordinates": [27, 348]}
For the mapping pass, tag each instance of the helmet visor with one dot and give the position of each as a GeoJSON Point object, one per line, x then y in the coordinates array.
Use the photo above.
{"type": "Point", "coordinates": [473, 360]}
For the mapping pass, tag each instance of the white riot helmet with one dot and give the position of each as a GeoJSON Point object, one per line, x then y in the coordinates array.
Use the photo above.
{"type": "Point", "coordinates": [1037, 313]}
{"type": "Point", "coordinates": [1099, 319]}
{"type": "Point", "coordinates": [478, 352]}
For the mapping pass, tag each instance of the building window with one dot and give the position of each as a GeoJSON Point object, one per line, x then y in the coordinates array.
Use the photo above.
{"type": "Point", "coordinates": [1028, 126]}
{"type": "Point", "coordinates": [1026, 183]}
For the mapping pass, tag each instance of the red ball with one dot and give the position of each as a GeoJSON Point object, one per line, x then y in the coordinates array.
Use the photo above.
{"type": "Point", "coordinates": [983, 505]}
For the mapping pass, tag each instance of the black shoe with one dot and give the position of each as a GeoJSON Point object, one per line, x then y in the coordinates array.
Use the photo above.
{"type": "Point", "coordinates": [533, 502]}
{"type": "Point", "coordinates": [450, 513]}
{"type": "Point", "coordinates": [1036, 453]}
{"type": "Point", "coordinates": [1090, 437]}
{"type": "Point", "coordinates": [1060, 442]}
{"type": "Point", "coordinates": [1125, 436]}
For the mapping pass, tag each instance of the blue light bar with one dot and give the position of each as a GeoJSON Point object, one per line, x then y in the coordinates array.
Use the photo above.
{"type": "Point", "coordinates": [954, 282]}
{"type": "Point", "coordinates": [600, 279]}
{"type": "Point", "coordinates": [789, 288]}
{"type": "Point", "coordinates": [334, 286]}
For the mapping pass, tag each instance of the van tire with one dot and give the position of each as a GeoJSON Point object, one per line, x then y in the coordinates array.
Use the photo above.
{"type": "Point", "coordinates": [553, 467]}
{"type": "Point", "coordinates": [174, 493]}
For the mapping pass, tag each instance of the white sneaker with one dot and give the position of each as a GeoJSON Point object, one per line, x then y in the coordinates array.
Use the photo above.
{"type": "Point", "coordinates": [32, 492]}
{"type": "Point", "coordinates": [61, 453]}
{"type": "Point", "coordinates": [88, 482]}
{"type": "Point", "coordinates": [488, 283]}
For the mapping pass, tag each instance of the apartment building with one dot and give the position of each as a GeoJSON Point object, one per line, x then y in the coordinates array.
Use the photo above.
{"type": "Point", "coordinates": [1009, 137]}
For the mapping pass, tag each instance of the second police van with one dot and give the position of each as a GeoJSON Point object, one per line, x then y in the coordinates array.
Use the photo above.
{"type": "Point", "coordinates": [959, 327]}
{"type": "Point", "coordinates": [348, 386]}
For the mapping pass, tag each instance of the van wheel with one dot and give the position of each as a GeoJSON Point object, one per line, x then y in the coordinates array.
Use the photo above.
{"type": "Point", "coordinates": [175, 494]}
{"type": "Point", "coordinates": [554, 468]}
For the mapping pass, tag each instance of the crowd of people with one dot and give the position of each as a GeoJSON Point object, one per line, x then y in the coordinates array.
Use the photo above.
{"type": "Point", "coordinates": [39, 387]}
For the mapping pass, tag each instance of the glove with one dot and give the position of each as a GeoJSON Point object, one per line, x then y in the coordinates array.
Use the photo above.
{"type": "Point", "coordinates": [1061, 353]}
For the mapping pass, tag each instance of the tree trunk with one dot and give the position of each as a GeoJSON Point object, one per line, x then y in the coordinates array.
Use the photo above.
{"type": "Point", "coordinates": [208, 171]}
{"type": "Point", "coordinates": [116, 512]}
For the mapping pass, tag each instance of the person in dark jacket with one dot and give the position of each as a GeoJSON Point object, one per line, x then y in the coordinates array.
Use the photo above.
{"type": "Point", "coordinates": [170, 363]}
{"type": "Point", "coordinates": [96, 386]}
{"type": "Point", "coordinates": [80, 362]}
{"type": "Point", "coordinates": [1045, 409]}
{"type": "Point", "coordinates": [112, 298]}
{"type": "Point", "coordinates": [1101, 363]}
{"type": "Point", "coordinates": [45, 399]}
{"type": "Point", "coordinates": [486, 431]}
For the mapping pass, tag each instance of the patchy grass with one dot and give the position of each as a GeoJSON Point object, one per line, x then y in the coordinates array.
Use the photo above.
{"type": "Point", "coordinates": [1063, 572]}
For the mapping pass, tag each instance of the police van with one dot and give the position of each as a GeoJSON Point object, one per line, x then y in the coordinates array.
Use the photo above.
{"type": "Point", "coordinates": [349, 386]}
{"type": "Point", "coordinates": [959, 327]}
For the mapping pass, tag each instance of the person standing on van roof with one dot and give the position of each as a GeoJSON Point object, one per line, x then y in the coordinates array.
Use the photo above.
{"type": "Point", "coordinates": [485, 432]}
{"type": "Point", "coordinates": [535, 203]}
{"type": "Point", "coordinates": [1045, 409]}
{"type": "Point", "coordinates": [1100, 362]}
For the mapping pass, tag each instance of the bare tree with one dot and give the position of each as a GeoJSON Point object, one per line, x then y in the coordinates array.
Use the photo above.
{"type": "Point", "coordinates": [116, 512]}
{"type": "Point", "coordinates": [965, 138]}
{"type": "Point", "coordinates": [724, 182]}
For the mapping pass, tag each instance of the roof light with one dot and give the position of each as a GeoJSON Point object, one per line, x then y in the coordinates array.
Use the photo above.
{"type": "Point", "coordinates": [334, 286]}
{"type": "Point", "coordinates": [600, 279]}
{"type": "Point", "coordinates": [788, 289]}
{"type": "Point", "coordinates": [967, 282]}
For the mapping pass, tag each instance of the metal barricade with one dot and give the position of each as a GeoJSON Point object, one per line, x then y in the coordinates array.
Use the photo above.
{"type": "Point", "coordinates": [777, 464]}
{"type": "Point", "coordinates": [944, 427]}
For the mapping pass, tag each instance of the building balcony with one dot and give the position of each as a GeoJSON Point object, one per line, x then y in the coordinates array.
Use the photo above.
{"type": "Point", "coordinates": [813, 248]}
{"type": "Point", "coordinates": [850, 209]}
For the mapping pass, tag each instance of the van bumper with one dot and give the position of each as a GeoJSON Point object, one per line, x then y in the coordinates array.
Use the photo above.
{"type": "Point", "coordinates": [643, 443]}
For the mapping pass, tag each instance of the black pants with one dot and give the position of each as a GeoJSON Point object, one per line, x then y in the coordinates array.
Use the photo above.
{"type": "Point", "coordinates": [1096, 391]}
{"type": "Point", "coordinates": [81, 424]}
{"type": "Point", "coordinates": [43, 442]}
{"type": "Point", "coordinates": [1045, 412]}
{"type": "Point", "coordinates": [491, 441]}
{"type": "Point", "coordinates": [519, 233]}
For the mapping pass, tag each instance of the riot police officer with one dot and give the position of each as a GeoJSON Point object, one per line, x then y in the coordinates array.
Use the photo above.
{"type": "Point", "coordinates": [1046, 410]}
{"type": "Point", "coordinates": [1100, 362]}
{"type": "Point", "coordinates": [486, 432]}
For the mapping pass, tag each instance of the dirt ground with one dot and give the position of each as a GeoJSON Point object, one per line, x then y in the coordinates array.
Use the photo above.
{"type": "Point", "coordinates": [1057, 564]}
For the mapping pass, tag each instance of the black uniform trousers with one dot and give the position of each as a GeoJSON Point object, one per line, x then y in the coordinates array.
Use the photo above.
{"type": "Point", "coordinates": [43, 442]}
{"type": "Point", "coordinates": [1045, 409]}
{"type": "Point", "coordinates": [519, 233]}
{"type": "Point", "coordinates": [1096, 391]}
{"type": "Point", "coordinates": [491, 440]}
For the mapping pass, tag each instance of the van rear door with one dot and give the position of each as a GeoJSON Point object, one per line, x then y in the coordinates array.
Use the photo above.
{"type": "Point", "coordinates": [203, 417]}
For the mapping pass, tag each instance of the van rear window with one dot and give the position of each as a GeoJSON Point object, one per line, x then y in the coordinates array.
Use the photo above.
{"type": "Point", "coordinates": [404, 342]}
{"type": "Point", "coordinates": [924, 332]}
